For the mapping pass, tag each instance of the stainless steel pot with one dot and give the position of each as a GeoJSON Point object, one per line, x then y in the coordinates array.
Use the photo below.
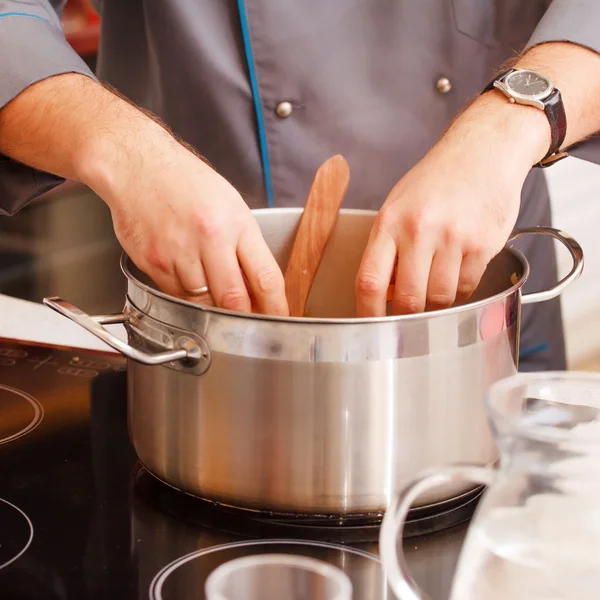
{"type": "Point", "coordinates": [326, 414]}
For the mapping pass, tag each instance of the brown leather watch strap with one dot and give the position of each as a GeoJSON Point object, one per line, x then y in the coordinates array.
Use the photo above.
{"type": "Point", "coordinates": [556, 115]}
{"type": "Point", "coordinates": [555, 111]}
{"type": "Point", "coordinates": [501, 77]}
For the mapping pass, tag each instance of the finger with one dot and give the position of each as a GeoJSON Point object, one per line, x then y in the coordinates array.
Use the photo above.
{"type": "Point", "coordinates": [166, 282]}
{"type": "Point", "coordinates": [192, 278]}
{"type": "Point", "coordinates": [471, 271]}
{"type": "Point", "coordinates": [265, 279]}
{"type": "Point", "coordinates": [443, 278]}
{"type": "Point", "coordinates": [412, 275]}
{"type": "Point", "coordinates": [253, 304]}
{"type": "Point", "coordinates": [374, 275]}
{"type": "Point", "coordinates": [162, 273]}
{"type": "Point", "coordinates": [225, 279]}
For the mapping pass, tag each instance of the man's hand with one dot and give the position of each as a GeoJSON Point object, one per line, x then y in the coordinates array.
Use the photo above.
{"type": "Point", "coordinates": [453, 212]}
{"type": "Point", "coordinates": [187, 227]}
{"type": "Point", "coordinates": [177, 219]}
{"type": "Point", "coordinates": [447, 217]}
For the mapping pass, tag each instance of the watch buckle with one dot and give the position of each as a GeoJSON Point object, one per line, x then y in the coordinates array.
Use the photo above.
{"type": "Point", "coordinates": [553, 158]}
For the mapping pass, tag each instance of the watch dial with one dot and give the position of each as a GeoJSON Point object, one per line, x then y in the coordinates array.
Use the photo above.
{"type": "Point", "coordinates": [527, 83]}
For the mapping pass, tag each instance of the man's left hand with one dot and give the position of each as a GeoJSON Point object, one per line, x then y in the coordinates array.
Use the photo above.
{"type": "Point", "coordinates": [453, 212]}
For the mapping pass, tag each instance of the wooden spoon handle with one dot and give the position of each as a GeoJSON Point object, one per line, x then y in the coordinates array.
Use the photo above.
{"type": "Point", "coordinates": [316, 224]}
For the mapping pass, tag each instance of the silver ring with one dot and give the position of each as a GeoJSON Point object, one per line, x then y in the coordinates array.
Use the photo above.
{"type": "Point", "coordinates": [197, 291]}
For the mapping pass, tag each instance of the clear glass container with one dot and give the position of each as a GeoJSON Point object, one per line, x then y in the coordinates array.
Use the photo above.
{"type": "Point", "coordinates": [536, 532]}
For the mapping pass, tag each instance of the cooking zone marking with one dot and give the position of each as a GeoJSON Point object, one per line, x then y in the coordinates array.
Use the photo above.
{"type": "Point", "coordinates": [12, 353]}
{"type": "Point", "coordinates": [159, 580]}
{"type": "Point", "coordinates": [77, 367]}
{"type": "Point", "coordinates": [8, 356]}
{"type": "Point", "coordinates": [76, 372]}
{"type": "Point", "coordinates": [40, 363]}
{"type": "Point", "coordinates": [38, 413]}
{"type": "Point", "coordinates": [27, 523]}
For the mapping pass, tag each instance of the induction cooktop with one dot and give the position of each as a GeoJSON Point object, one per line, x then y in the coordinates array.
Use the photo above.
{"type": "Point", "coordinates": [81, 518]}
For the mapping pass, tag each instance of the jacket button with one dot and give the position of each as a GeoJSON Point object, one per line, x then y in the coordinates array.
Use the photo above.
{"type": "Point", "coordinates": [284, 109]}
{"type": "Point", "coordinates": [443, 85]}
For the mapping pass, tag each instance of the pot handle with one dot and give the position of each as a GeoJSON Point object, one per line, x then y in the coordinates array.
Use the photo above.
{"type": "Point", "coordinates": [94, 325]}
{"type": "Point", "coordinates": [394, 563]}
{"type": "Point", "coordinates": [576, 254]}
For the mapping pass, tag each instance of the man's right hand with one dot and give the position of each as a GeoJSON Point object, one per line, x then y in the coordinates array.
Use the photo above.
{"type": "Point", "coordinates": [187, 227]}
{"type": "Point", "coordinates": [179, 221]}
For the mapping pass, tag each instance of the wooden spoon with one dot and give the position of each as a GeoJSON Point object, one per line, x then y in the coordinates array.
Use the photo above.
{"type": "Point", "coordinates": [316, 225]}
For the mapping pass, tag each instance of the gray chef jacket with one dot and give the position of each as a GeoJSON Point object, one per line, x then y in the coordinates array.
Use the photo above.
{"type": "Point", "coordinates": [267, 90]}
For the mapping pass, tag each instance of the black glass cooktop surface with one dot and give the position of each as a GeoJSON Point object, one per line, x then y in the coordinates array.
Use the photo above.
{"type": "Point", "coordinates": [81, 519]}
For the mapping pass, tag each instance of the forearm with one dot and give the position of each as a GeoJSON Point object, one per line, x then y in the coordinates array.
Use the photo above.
{"type": "Point", "coordinates": [575, 71]}
{"type": "Point", "coordinates": [524, 131]}
{"type": "Point", "coordinates": [71, 126]}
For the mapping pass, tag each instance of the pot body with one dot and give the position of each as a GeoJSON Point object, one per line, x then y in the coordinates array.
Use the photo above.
{"type": "Point", "coordinates": [325, 414]}
{"type": "Point", "coordinates": [320, 415]}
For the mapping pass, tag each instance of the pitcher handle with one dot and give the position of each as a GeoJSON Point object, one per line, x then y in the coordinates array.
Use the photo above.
{"type": "Point", "coordinates": [576, 254]}
{"type": "Point", "coordinates": [394, 563]}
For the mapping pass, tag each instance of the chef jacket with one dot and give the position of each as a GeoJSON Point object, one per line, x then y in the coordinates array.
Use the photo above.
{"type": "Point", "coordinates": [267, 90]}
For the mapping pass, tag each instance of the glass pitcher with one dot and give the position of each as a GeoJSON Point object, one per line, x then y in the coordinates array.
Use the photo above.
{"type": "Point", "coordinates": [536, 532]}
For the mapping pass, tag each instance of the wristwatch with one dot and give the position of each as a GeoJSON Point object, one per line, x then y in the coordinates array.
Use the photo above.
{"type": "Point", "coordinates": [523, 86]}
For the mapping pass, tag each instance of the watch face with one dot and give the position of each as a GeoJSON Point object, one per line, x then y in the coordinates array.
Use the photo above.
{"type": "Point", "coordinates": [528, 83]}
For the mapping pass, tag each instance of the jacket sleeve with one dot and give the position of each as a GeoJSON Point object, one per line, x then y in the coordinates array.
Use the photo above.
{"type": "Point", "coordinates": [578, 22]}
{"type": "Point", "coordinates": [32, 48]}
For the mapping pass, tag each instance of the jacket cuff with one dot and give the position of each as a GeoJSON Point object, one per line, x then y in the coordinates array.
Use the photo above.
{"type": "Point", "coordinates": [32, 49]}
{"type": "Point", "coordinates": [575, 22]}
{"type": "Point", "coordinates": [21, 185]}
{"type": "Point", "coordinates": [569, 21]}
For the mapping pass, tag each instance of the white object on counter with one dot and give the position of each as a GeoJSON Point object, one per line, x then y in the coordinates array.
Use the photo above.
{"type": "Point", "coordinates": [574, 186]}
{"type": "Point", "coordinates": [35, 322]}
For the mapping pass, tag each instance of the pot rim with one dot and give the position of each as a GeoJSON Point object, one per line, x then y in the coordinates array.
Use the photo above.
{"type": "Point", "coordinates": [125, 260]}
